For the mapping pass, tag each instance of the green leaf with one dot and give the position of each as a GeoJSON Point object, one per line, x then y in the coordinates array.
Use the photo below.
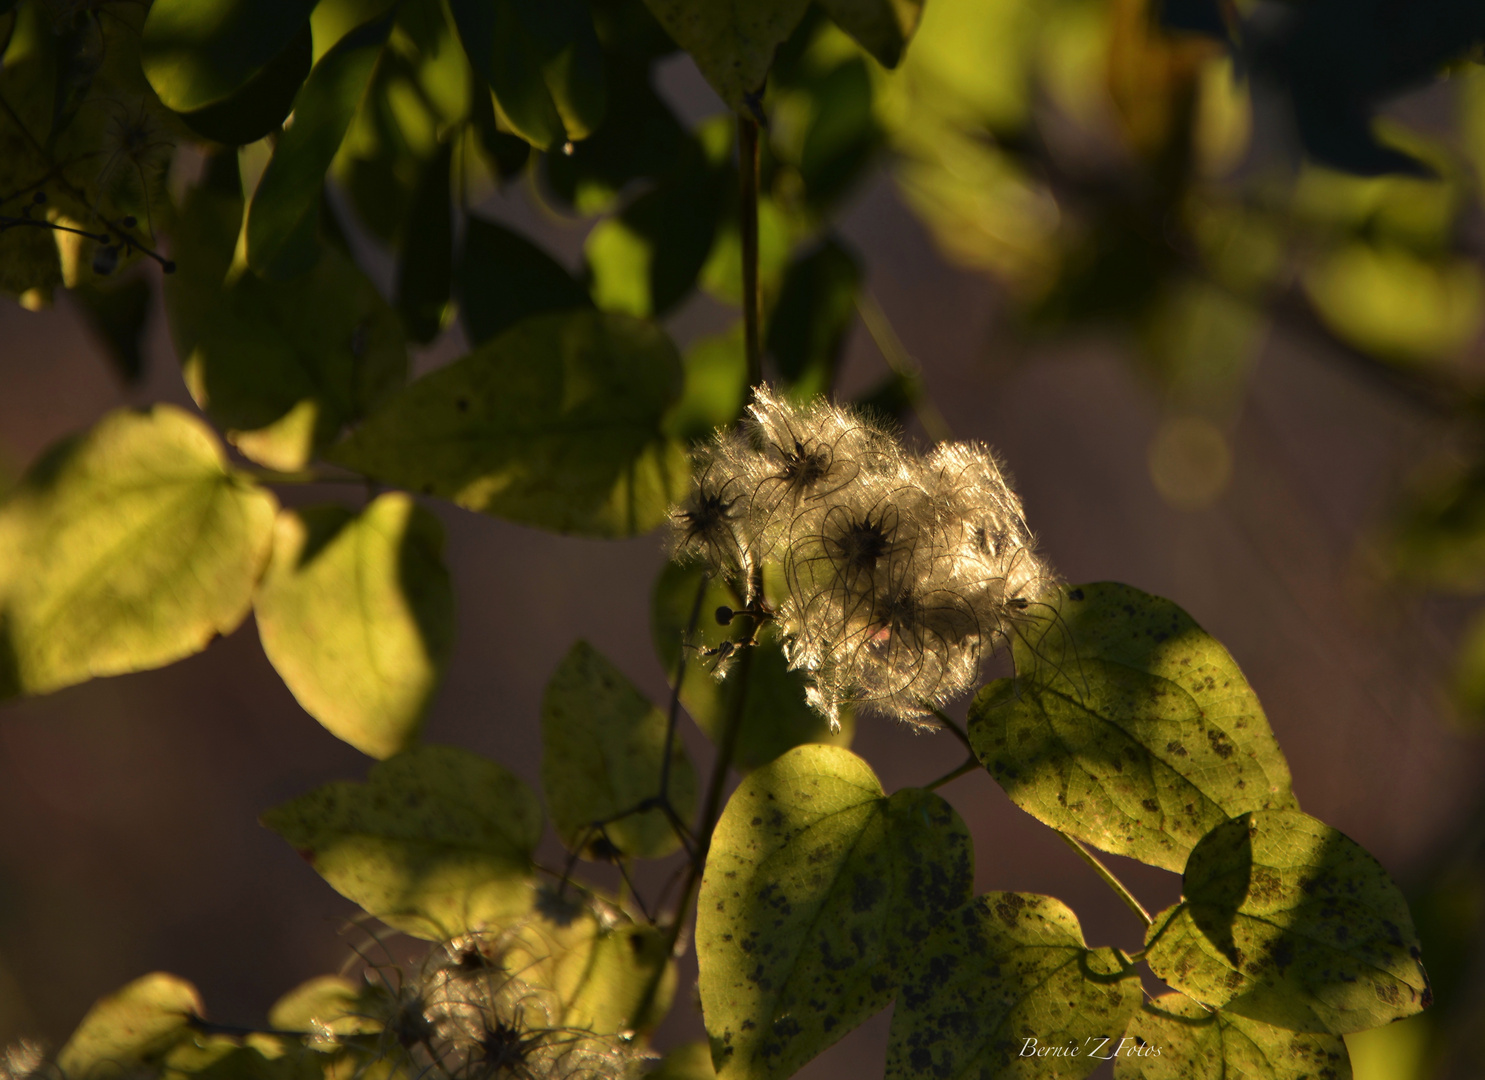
{"type": "Point", "coordinates": [438, 842]}
{"type": "Point", "coordinates": [1127, 726]}
{"type": "Point", "coordinates": [640, 138]}
{"type": "Point", "coordinates": [732, 43]}
{"type": "Point", "coordinates": [1005, 976]}
{"type": "Point", "coordinates": [603, 745]}
{"type": "Point", "coordinates": [504, 277]}
{"type": "Point", "coordinates": [426, 270]}
{"type": "Point", "coordinates": [123, 549]}
{"type": "Point", "coordinates": [1398, 305]}
{"type": "Point", "coordinates": [326, 1002]}
{"type": "Point", "coordinates": [646, 260]}
{"type": "Point", "coordinates": [555, 423]}
{"type": "Point", "coordinates": [881, 27]}
{"type": "Point", "coordinates": [543, 62]}
{"type": "Point", "coordinates": [776, 716]}
{"type": "Point", "coordinates": [817, 889]}
{"type": "Point", "coordinates": [1174, 1038]}
{"type": "Point", "coordinates": [356, 613]}
{"type": "Point", "coordinates": [815, 310]}
{"type": "Point", "coordinates": [286, 204]}
{"type": "Point", "coordinates": [198, 52]}
{"type": "Point", "coordinates": [259, 107]}
{"type": "Point", "coordinates": [1290, 923]}
{"type": "Point", "coordinates": [689, 1061]}
{"type": "Point", "coordinates": [596, 966]}
{"type": "Point", "coordinates": [281, 366]}
{"type": "Point", "coordinates": [130, 1027]}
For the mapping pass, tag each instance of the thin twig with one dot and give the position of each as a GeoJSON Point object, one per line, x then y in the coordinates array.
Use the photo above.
{"type": "Point", "coordinates": [958, 732]}
{"type": "Point", "coordinates": [747, 164]}
{"type": "Point", "coordinates": [1109, 879]}
{"type": "Point", "coordinates": [969, 766]}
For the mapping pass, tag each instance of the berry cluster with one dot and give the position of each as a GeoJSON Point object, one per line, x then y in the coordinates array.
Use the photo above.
{"type": "Point", "coordinates": [902, 571]}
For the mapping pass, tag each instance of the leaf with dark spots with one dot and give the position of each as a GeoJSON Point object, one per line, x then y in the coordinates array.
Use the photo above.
{"type": "Point", "coordinates": [436, 842]}
{"type": "Point", "coordinates": [840, 882]}
{"type": "Point", "coordinates": [985, 983]}
{"type": "Point", "coordinates": [1288, 922]}
{"type": "Point", "coordinates": [1199, 1044]}
{"type": "Point", "coordinates": [1127, 726]}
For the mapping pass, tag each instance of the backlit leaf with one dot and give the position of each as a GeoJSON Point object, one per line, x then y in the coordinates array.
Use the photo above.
{"type": "Point", "coordinates": [329, 1001]}
{"type": "Point", "coordinates": [281, 366]}
{"type": "Point", "coordinates": [436, 843]}
{"type": "Point", "coordinates": [775, 716]}
{"type": "Point", "coordinates": [130, 1027]}
{"type": "Point", "coordinates": [286, 204]}
{"type": "Point", "coordinates": [882, 27]}
{"type": "Point", "coordinates": [198, 52]}
{"type": "Point", "coordinates": [603, 747]}
{"type": "Point", "coordinates": [1174, 1038]}
{"type": "Point", "coordinates": [1127, 726]}
{"type": "Point", "coordinates": [356, 613]}
{"type": "Point", "coordinates": [1290, 923]}
{"type": "Point", "coordinates": [1397, 305]}
{"type": "Point", "coordinates": [542, 60]}
{"type": "Point", "coordinates": [1005, 976]}
{"type": "Point", "coordinates": [123, 549]}
{"type": "Point", "coordinates": [555, 423]}
{"type": "Point", "coordinates": [817, 889]}
{"type": "Point", "coordinates": [595, 965]}
{"type": "Point", "coordinates": [259, 107]}
{"type": "Point", "coordinates": [646, 260]}
{"type": "Point", "coordinates": [732, 43]}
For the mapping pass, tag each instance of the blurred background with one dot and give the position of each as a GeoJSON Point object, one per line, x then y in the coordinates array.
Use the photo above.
{"type": "Point", "coordinates": [1137, 257]}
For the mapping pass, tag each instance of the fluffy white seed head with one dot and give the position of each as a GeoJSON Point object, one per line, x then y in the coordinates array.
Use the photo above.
{"type": "Point", "coordinates": [903, 572]}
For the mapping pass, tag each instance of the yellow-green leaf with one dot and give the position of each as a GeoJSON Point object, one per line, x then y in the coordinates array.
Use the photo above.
{"type": "Point", "coordinates": [603, 749]}
{"type": "Point", "coordinates": [555, 423]}
{"type": "Point", "coordinates": [438, 841]}
{"type": "Point", "coordinates": [1288, 922]}
{"type": "Point", "coordinates": [1174, 1038]}
{"type": "Point", "coordinates": [817, 888]}
{"type": "Point", "coordinates": [130, 1027]}
{"type": "Point", "coordinates": [126, 548]}
{"type": "Point", "coordinates": [281, 366]}
{"type": "Point", "coordinates": [356, 613]}
{"type": "Point", "coordinates": [1005, 976]}
{"type": "Point", "coordinates": [198, 52]}
{"type": "Point", "coordinates": [1127, 726]}
{"type": "Point", "coordinates": [284, 212]}
{"type": "Point", "coordinates": [594, 970]}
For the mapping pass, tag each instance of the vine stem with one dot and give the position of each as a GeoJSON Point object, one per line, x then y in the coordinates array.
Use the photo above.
{"type": "Point", "coordinates": [747, 164]}
{"type": "Point", "coordinates": [725, 751]}
{"type": "Point", "coordinates": [1110, 880]}
{"type": "Point", "coordinates": [970, 765]}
